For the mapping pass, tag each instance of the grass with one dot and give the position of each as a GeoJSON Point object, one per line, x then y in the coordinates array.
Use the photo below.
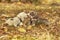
{"type": "Point", "coordinates": [36, 33]}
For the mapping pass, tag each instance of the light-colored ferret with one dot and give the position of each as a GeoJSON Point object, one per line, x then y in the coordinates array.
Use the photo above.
{"type": "Point", "coordinates": [17, 20]}
{"type": "Point", "coordinates": [14, 21]}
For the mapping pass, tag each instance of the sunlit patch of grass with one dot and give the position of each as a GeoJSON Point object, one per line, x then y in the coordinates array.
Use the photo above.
{"type": "Point", "coordinates": [44, 36]}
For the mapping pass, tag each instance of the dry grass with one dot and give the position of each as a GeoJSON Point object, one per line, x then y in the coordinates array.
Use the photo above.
{"type": "Point", "coordinates": [52, 13]}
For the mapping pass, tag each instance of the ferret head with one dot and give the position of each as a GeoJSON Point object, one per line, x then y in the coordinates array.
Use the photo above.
{"type": "Point", "coordinates": [32, 13]}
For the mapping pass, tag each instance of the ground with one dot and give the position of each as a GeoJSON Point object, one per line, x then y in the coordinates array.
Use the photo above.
{"type": "Point", "coordinates": [40, 32]}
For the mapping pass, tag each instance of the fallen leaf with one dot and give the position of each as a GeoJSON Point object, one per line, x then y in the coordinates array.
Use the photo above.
{"type": "Point", "coordinates": [29, 27]}
{"type": "Point", "coordinates": [21, 29]}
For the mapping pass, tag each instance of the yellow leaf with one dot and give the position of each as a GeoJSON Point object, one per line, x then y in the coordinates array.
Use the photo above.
{"type": "Point", "coordinates": [29, 27]}
{"type": "Point", "coordinates": [5, 29]}
{"type": "Point", "coordinates": [22, 30]}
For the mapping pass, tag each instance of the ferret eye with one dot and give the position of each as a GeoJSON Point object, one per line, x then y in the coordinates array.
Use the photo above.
{"type": "Point", "coordinates": [11, 19]}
